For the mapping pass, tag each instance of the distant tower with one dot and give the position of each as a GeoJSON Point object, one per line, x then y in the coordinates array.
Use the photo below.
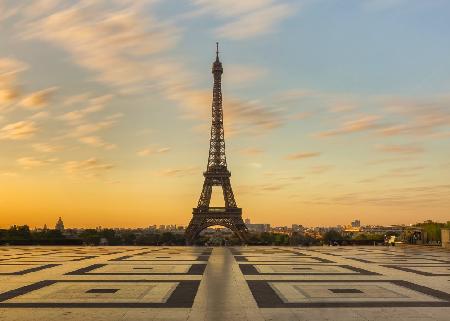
{"type": "Point", "coordinates": [356, 223]}
{"type": "Point", "coordinates": [59, 225]}
{"type": "Point", "coordinates": [217, 174]}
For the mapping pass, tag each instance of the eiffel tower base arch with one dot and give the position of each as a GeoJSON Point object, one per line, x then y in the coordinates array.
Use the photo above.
{"type": "Point", "coordinates": [229, 218]}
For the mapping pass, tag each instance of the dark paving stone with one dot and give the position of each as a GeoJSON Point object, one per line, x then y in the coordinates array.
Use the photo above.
{"type": "Point", "coordinates": [29, 270]}
{"type": "Point", "coordinates": [346, 291]}
{"type": "Point", "coordinates": [102, 291]}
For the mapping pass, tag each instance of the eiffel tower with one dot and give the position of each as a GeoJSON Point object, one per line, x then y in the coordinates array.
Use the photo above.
{"type": "Point", "coordinates": [217, 174]}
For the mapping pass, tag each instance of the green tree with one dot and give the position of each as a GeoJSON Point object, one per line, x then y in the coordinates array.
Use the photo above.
{"type": "Point", "coordinates": [332, 236]}
{"type": "Point", "coordinates": [19, 233]}
{"type": "Point", "coordinates": [90, 237]}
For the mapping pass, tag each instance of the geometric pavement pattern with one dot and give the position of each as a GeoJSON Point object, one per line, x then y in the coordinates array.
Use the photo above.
{"type": "Point", "coordinates": [235, 283]}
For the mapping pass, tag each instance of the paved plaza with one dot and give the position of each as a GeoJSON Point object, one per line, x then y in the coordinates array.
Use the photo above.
{"type": "Point", "coordinates": [235, 283]}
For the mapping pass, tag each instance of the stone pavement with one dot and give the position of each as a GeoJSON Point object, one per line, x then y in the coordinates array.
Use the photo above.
{"type": "Point", "coordinates": [240, 283]}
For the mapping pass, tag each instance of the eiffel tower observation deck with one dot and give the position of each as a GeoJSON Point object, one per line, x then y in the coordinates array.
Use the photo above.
{"type": "Point", "coordinates": [216, 174]}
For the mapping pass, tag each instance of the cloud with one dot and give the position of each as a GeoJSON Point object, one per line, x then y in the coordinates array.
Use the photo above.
{"type": "Point", "coordinates": [255, 165]}
{"type": "Point", "coordinates": [96, 141]}
{"type": "Point", "coordinates": [399, 172]}
{"type": "Point", "coordinates": [256, 23]}
{"type": "Point", "coordinates": [127, 50]}
{"type": "Point", "coordinates": [272, 187]}
{"type": "Point", "coordinates": [87, 129]}
{"type": "Point", "coordinates": [7, 12]}
{"type": "Point", "coordinates": [97, 104]}
{"type": "Point", "coordinates": [10, 68]}
{"type": "Point", "coordinates": [19, 130]}
{"type": "Point", "coordinates": [358, 125]}
{"type": "Point", "coordinates": [32, 162]}
{"type": "Point", "coordinates": [251, 151]}
{"type": "Point", "coordinates": [144, 131]}
{"type": "Point", "coordinates": [152, 151]}
{"type": "Point", "coordinates": [302, 155]}
{"type": "Point", "coordinates": [76, 99]}
{"type": "Point", "coordinates": [400, 149]}
{"type": "Point", "coordinates": [38, 99]}
{"type": "Point", "coordinates": [249, 117]}
{"type": "Point", "coordinates": [171, 172]}
{"type": "Point", "coordinates": [319, 169]}
{"type": "Point", "coordinates": [246, 19]}
{"type": "Point", "coordinates": [387, 160]}
{"type": "Point", "coordinates": [420, 117]}
{"type": "Point", "coordinates": [94, 105]}
{"type": "Point", "coordinates": [29, 162]}
{"type": "Point", "coordinates": [341, 107]}
{"type": "Point", "coordinates": [294, 95]}
{"type": "Point", "coordinates": [408, 169]}
{"type": "Point", "coordinates": [116, 42]}
{"type": "Point", "coordinates": [40, 115]}
{"type": "Point", "coordinates": [231, 8]}
{"type": "Point", "coordinates": [90, 167]}
{"type": "Point", "coordinates": [300, 116]}
{"type": "Point", "coordinates": [261, 189]}
{"type": "Point", "coordinates": [427, 196]}
{"type": "Point", "coordinates": [45, 147]}
{"type": "Point", "coordinates": [10, 174]}
{"type": "Point", "coordinates": [7, 96]}
{"type": "Point", "coordinates": [72, 116]}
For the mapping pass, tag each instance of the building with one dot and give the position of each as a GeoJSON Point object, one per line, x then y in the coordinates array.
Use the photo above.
{"type": "Point", "coordinates": [59, 225]}
{"type": "Point", "coordinates": [258, 228]}
{"type": "Point", "coordinates": [247, 221]}
{"type": "Point", "coordinates": [445, 237]}
{"type": "Point", "coordinates": [356, 223]}
{"type": "Point", "coordinates": [397, 229]}
{"type": "Point", "coordinates": [298, 228]}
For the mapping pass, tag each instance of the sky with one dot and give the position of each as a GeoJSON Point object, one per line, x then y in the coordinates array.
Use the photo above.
{"type": "Point", "coordinates": [334, 110]}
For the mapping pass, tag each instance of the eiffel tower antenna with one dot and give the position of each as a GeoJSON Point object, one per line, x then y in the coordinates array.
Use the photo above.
{"type": "Point", "coordinates": [216, 174]}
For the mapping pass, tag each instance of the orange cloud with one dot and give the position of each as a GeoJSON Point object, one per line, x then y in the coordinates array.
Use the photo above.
{"type": "Point", "coordinates": [116, 44]}
{"type": "Point", "coordinates": [90, 167]}
{"type": "Point", "coordinates": [38, 99]}
{"type": "Point", "coordinates": [96, 141]}
{"type": "Point", "coordinates": [32, 162]}
{"type": "Point", "coordinates": [251, 151]}
{"type": "Point", "coordinates": [19, 130]}
{"type": "Point", "coordinates": [45, 147]}
{"type": "Point", "coordinates": [9, 71]}
{"type": "Point", "coordinates": [302, 155]}
{"type": "Point", "coordinates": [319, 169]}
{"type": "Point", "coordinates": [401, 149]}
{"type": "Point", "coordinates": [151, 151]}
{"type": "Point", "coordinates": [353, 126]}
{"type": "Point", "coordinates": [178, 171]}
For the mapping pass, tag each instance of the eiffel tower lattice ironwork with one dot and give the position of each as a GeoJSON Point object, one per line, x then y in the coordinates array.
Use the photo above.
{"type": "Point", "coordinates": [216, 174]}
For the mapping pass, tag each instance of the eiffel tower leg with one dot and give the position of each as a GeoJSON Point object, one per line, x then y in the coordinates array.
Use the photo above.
{"type": "Point", "coordinates": [193, 229]}
{"type": "Point", "coordinates": [240, 229]}
{"type": "Point", "coordinates": [228, 193]}
{"type": "Point", "coordinates": [205, 196]}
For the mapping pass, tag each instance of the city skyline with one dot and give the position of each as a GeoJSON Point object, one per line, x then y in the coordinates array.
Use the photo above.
{"type": "Point", "coordinates": [331, 112]}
